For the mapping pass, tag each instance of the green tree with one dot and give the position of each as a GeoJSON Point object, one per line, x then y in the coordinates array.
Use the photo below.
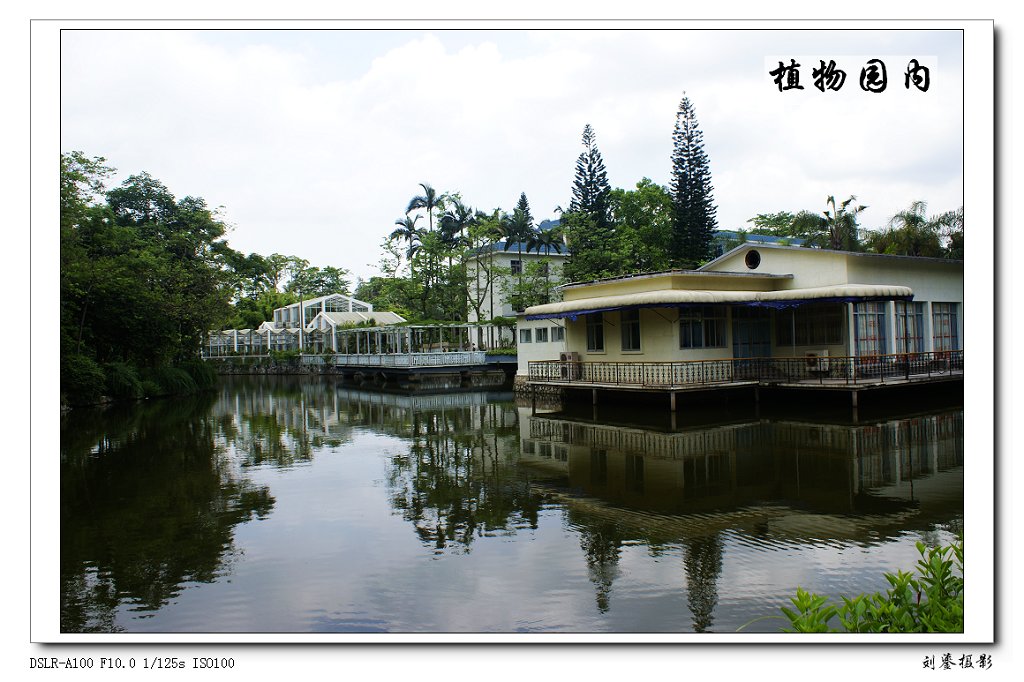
{"type": "Point", "coordinates": [587, 224]}
{"type": "Point", "coordinates": [590, 188]}
{"type": "Point", "coordinates": [143, 275]}
{"type": "Point", "coordinates": [430, 201]}
{"type": "Point", "coordinates": [643, 227]}
{"type": "Point", "coordinates": [912, 233]}
{"type": "Point", "coordinates": [411, 235]}
{"type": "Point", "coordinates": [806, 225]}
{"type": "Point", "coordinates": [694, 213]}
{"type": "Point", "coordinates": [951, 226]}
{"type": "Point", "coordinates": [841, 224]}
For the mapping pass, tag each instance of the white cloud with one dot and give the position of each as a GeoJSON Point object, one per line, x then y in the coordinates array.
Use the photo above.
{"type": "Point", "coordinates": [315, 142]}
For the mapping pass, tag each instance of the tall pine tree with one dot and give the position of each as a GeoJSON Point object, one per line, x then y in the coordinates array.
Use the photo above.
{"type": "Point", "coordinates": [590, 189]}
{"type": "Point", "coordinates": [587, 224]}
{"type": "Point", "coordinates": [693, 210]}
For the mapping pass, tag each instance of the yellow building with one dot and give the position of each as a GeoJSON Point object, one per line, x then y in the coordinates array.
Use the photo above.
{"type": "Point", "coordinates": [838, 313]}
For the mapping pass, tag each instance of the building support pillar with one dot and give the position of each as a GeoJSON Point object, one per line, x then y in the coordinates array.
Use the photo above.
{"type": "Point", "coordinates": [593, 396]}
{"type": "Point", "coordinates": [672, 400]}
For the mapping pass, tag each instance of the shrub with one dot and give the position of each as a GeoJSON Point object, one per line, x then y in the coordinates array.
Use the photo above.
{"type": "Point", "coordinates": [81, 379]}
{"type": "Point", "coordinates": [172, 380]}
{"type": "Point", "coordinates": [202, 373]}
{"type": "Point", "coordinates": [284, 357]}
{"type": "Point", "coordinates": [122, 381]}
{"type": "Point", "coordinates": [150, 389]}
{"type": "Point", "coordinates": [930, 601]}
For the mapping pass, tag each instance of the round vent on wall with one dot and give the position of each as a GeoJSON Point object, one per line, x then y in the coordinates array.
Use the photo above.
{"type": "Point", "coordinates": [752, 259]}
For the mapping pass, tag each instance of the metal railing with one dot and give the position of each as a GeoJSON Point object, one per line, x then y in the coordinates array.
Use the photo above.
{"type": "Point", "coordinates": [819, 369]}
{"type": "Point", "coordinates": [450, 359]}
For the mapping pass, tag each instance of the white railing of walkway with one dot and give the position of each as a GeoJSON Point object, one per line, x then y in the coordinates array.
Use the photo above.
{"type": "Point", "coordinates": [449, 359]}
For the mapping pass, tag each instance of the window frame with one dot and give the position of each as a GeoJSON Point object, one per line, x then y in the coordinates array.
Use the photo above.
{"type": "Point", "coordinates": [817, 324]}
{"type": "Point", "coordinates": [595, 332]}
{"type": "Point", "coordinates": [630, 331]}
{"type": "Point", "coordinates": [870, 319]}
{"type": "Point", "coordinates": [912, 312]}
{"type": "Point", "coordinates": [944, 319]}
{"type": "Point", "coordinates": [710, 320]}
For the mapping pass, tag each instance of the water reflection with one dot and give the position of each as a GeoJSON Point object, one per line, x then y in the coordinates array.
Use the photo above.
{"type": "Point", "coordinates": [648, 524]}
{"type": "Point", "coordinates": [817, 481]}
{"type": "Point", "coordinates": [767, 482]}
{"type": "Point", "coordinates": [148, 504]}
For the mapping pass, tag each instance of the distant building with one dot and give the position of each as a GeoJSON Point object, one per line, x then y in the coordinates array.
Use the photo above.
{"type": "Point", "coordinates": [312, 324]}
{"type": "Point", "coordinates": [489, 291]}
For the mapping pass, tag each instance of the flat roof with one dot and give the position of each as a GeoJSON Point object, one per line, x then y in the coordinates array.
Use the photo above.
{"type": "Point", "coordinates": [805, 249]}
{"type": "Point", "coordinates": [679, 273]}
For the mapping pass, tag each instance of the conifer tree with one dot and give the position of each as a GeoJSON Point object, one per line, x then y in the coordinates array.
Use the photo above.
{"type": "Point", "coordinates": [693, 209]}
{"type": "Point", "coordinates": [590, 189]}
{"type": "Point", "coordinates": [587, 224]}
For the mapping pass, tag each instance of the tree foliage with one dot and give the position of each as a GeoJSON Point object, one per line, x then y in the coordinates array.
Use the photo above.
{"type": "Point", "coordinates": [142, 280]}
{"type": "Point", "coordinates": [694, 213]}
{"type": "Point", "coordinates": [590, 188]}
{"type": "Point", "coordinates": [912, 233]}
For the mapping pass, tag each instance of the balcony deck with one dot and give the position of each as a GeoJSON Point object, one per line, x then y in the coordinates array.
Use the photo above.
{"type": "Point", "coordinates": [851, 374]}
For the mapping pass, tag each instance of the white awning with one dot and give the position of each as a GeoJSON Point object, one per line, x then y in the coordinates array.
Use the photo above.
{"type": "Point", "coordinates": [672, 298]}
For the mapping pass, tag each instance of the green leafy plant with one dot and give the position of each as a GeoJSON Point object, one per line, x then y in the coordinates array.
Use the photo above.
{"type": "Point", "coordinates": [81, 379]}
{"type": "Point", "coordinates": [122, 381]}
{"type": "Point", "coordinates": [932, 600]}
{"type": "Point", "coordinates": [172, 380]}
{"type": "Point", "coordinates": [285, 357]}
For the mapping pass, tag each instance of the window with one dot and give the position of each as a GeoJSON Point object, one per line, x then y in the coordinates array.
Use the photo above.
{"type": "Point", "coordinates": [630, 322]}
{"type": "Point", "coordinates": [525, 335]}
{"type": "Point", "coordinates": [944, 326]}
{"type": "Point", "coordinates": [595, 332]}
{"type": "Point", "coordinates": [702, 327]}
{"type": "Point", "coordinates": [558, 333]}
{"type": "Point", "coordinates": [909, 327]}
{"type": "Point", "coordinates": [517, 267]}
{"type": "Point", "coordinates": [869, 328]}
{"type": "Point", "coordinates": [542, 335]}
{"type": "Point", "coordinates": [818, 324]}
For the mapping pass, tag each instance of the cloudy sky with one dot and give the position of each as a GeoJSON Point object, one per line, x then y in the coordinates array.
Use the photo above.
{"type": "Point", "coordinates": [314, 141]}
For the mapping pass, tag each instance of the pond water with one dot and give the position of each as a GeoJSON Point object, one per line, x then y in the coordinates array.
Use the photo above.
{"type": "Point", "coordinates": [282, 505]}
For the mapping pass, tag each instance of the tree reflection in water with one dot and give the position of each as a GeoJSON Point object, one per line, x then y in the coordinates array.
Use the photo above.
{"type": "Point", "coordinates": [148, 503]}
{"type": "Point", "coordinates": [702, 560]}
{"type": "Point", "coordinates": [459, 479]}
{"type": "Point", "coordinates": [602, 547]}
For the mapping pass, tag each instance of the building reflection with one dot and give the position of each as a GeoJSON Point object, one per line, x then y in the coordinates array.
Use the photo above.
{"type": "Point", "coordinates": [895, 467]}
{"type": "Point", "coordinates": [781, 480]}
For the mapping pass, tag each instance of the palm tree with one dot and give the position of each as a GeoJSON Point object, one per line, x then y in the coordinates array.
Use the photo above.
{"type": "Point", "coordinates": [910, 233]}
{"type": "Point", "coordinates": [408, 232]}
{"type": "Point", "coordinates": [517, 228]}
{"type": "Point", "coordinates": [842, 224]}
{"type": "Point", "coordinates": [546, 240]}
{"type": "Point", "coordinates": [453, 225]}
{"type": "Point", "coordinates": [429, 200]}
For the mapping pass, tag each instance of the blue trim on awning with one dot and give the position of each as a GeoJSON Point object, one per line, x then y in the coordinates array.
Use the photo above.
{"type": "Point", "coordinates": [776, 305]}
